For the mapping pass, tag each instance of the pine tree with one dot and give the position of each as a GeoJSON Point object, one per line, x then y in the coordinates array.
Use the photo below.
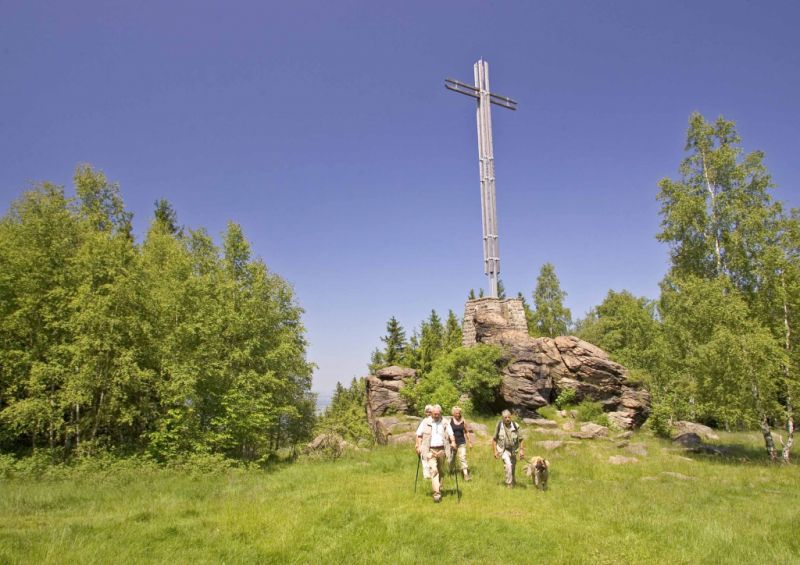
{"type": "Point", "coordinates": [452, 338]}
{"type": "Point", "coordinates": [395, 340]}
{"type": "Point", "coordinates": [166, 216]}
{"type": "Point", "coordinates": [501, 289]}
{"type": "Point", "coordinates": [431, 341]}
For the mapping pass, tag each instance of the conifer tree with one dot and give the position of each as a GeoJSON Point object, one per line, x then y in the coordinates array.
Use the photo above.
{"type": "Point", "coordinates": [166, 216]}
{"type": "Point", "coordinates": [452, 338]}
{"type": "Point", "coordinates": [395, 340]}
{"type": "Point", "coordinates": [501, 289]}
{"type": "Point", "coordinates": [431, 341]}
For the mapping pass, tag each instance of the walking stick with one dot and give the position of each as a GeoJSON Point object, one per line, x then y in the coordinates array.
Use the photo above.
{"type": "Point", "coordinates": [458, 492]}
{"type": "Point", "coordinates": [416, 478]}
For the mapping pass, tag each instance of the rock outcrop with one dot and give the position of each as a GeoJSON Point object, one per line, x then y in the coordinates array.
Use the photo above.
{"type": "Point", "coordinates": [683, 427]}
{"type": "Point", "coordinates": [386, 407]}
{"type": "Point", "coordinates": [383, 391]}
{"type": "Point", "coordinates": [539, 369]}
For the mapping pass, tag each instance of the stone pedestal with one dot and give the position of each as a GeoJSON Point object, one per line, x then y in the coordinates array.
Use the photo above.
{"type": "Point", "coordinates": [490, 320]}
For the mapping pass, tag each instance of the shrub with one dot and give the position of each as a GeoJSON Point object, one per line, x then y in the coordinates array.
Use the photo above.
{"type": "Point", "coordinates": [590, 411]}
{"type": "Point", "coordinates": [660, 420]}
{"type": "Point", "coordinates": [566, 398]}
{"type": "Point", "coordinates": [474, 371]}
{"type": "Point", "coordinates": [345, 416]}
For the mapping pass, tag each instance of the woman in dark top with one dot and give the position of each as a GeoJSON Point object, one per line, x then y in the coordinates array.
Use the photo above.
{"type": "Point", "coordinates": [461, 434]}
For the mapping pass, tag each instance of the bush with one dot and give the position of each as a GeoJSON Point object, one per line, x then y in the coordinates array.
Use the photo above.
{"type": "Point", "coordinates": [474, 371]}
{"type": "Point", "coordinates": [590, 411]}
{"type": "Point", "coordinates": [203, 463]}
{"type": "Point", "coordinates": [659, 420]}
{"type": "Point", "coordinates": [566, 397]}
{"type": "Point", "coordinates": [345, 416]}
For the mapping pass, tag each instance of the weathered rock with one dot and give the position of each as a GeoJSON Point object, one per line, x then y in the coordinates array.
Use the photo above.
{"type": "Point", "coordinates": [709, 449]}
{"type": "Point", "coordinates": [594, 430]}
{"type": "Point", "coordinates": [383, 396]}
{"type": "Point", "coordinates": [549, 431]}
{"type": "Point", "coordinates": [329, 445]}
{"type": "Point", "coordinates": [541, 422]}
{"type": "Point", "coordinates": [688, 439]}
{"type": "Point", "coordinates": [624, 435]}
{"type": "Point", "coordinates": [682, 427]}
{"type": "Point", "coordinates": [403, 438]}
{"type": "Point", "coordinates": [479, 430]}
{"type": "Point", "coordinates": [622, 460]}
{"type": "Point", "coordinates": [539, 368]}
{"type": "Point", "coordinates": [550, 445]}
{"type": "Point", "coordinates": [639, 449]}
{"type": "Point", "coordinates": [395, 429]}
{"type": "Point", "coordinates": [679, 476]}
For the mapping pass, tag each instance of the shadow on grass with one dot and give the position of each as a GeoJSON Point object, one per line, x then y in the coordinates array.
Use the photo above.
{"type": "Point", "coordinates": [729, 454]}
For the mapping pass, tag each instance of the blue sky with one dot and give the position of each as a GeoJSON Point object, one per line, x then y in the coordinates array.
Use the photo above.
{"type": "Point", "coordinates": [325, 130]}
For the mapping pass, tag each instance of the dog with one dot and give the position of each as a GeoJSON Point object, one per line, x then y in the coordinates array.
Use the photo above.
{"type": "Point", "coordinates": [538, 470]}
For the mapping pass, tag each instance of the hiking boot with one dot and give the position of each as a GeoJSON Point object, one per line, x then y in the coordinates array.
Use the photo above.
{"type": "Point", "coordinates": [466, 475]}
{"type": "Point", "coordinates": [437, 497]}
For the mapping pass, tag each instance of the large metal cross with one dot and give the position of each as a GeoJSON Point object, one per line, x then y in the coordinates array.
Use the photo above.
{"type": "Point", "coordinates": [491, 248]}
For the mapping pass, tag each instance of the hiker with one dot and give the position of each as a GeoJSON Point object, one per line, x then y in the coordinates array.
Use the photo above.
{"type": "Point", "coordinates": [426, 474]}
{"type": "Point", "coordinates": [506, 444]}
{"type": "Point", "coordinates": [461, 434]}
{"type": "Point", "coordinates": [434, 442]}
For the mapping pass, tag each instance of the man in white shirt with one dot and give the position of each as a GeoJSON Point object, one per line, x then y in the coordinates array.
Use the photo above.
{"type": "Point", "coordinates": [434, 439]}
{"type": "Point", "coordinates": [426, 474]}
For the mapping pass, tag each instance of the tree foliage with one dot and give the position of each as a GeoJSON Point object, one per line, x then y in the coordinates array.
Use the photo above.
{"type": "Point", "coordinates": [171, 345]}
{"type": "Point", "coordinates": [345, 415]}
{"type": "Point", "coordinates": [734, 260]}
{"type": "Point", "coordinates": [628, 328]}
{"type": "Point", "coordinates": [550, 317]}
{"type": "Point", "coordinates": [472, 371]}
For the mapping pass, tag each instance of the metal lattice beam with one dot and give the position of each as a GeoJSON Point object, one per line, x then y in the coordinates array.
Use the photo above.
{"type": "Point", "coordinates": [485, 98]}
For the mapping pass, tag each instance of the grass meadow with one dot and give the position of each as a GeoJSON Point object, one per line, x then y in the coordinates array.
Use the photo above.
{"type": "Point", "coordinates": [669, 507]}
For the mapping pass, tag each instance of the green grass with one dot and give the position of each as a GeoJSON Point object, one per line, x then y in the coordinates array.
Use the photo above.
{"type": "Point", "coordinates": [362, 508]}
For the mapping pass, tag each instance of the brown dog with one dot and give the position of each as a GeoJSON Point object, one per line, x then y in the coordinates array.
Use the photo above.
{"type": "Point", "coordinates": [539, 471]}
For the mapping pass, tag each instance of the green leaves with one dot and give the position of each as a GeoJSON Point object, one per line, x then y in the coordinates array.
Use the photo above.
{"type": "Point", "coordinates": [474, 371]}
{"type": "Point", "coordinates": [550, 317]}
{"type": "Point", "coordinates": [728, 304]}
{"type": "Point", "coordinates": [172, 345]}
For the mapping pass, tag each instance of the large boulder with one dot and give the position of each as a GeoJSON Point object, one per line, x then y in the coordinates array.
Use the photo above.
{"type": "Point", "coordinates": [383, 391]}
{"type": "Point", "coordinates": [398, 428]}
{"type": "Point", "coordinates": [538, 369]}
{"type": "Point", "coordinates": [386, 406]}
{"type": "Point", "coordinates": [683, 427]}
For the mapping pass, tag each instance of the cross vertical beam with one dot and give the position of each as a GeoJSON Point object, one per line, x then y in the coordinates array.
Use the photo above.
{"type": "Point", "coordinates": [485, 98]}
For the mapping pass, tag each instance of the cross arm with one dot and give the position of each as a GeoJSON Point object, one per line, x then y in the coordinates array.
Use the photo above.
{"type": "Point", "coordinates": [469, 90]}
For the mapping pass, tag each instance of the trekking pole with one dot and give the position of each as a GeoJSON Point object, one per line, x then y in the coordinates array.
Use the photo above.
{"type": "Point", "coordinates": [458, 492]}
{"type": "Point", "coordinates": [416, 478]}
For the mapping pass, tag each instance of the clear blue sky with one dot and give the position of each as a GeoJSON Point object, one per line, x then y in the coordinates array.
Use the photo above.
{"type": "Point", "coordinates": [325, 130]}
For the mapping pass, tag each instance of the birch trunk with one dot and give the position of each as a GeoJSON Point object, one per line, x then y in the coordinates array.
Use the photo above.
{"type": "Point", "coordinates": [787, 447]}
{"type": "Point", "coordinates": [765, 429]}
{"type": "Point", "coordinates": [712, 194]}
